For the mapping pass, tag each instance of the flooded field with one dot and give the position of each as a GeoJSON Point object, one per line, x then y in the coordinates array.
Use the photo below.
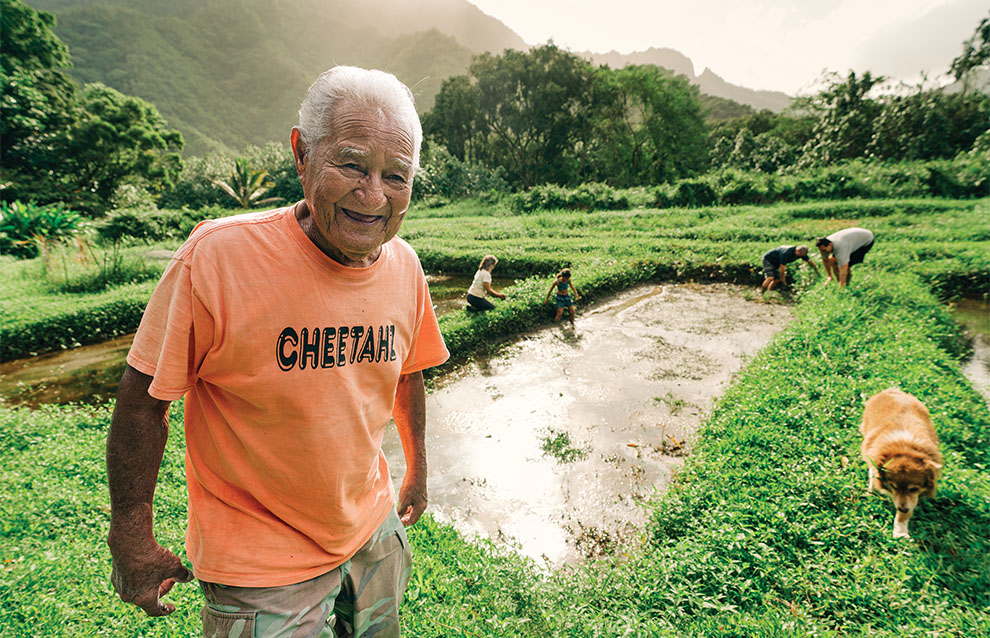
{"type": "Point", "coordinates": [554, 444]}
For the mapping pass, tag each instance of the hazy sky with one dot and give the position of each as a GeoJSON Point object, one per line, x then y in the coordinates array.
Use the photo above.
{"type": "Point", "coordinates": [761, 44]}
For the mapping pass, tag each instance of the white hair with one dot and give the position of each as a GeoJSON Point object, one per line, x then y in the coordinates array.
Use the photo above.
{"type": "Point", "coordinates": [367, 88]}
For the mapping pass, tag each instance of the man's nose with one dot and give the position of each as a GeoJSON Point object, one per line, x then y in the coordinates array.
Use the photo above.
{"type": "Point", "coordinates": [371, 192]}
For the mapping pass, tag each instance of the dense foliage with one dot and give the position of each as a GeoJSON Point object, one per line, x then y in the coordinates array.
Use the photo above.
{"type": "Point", "coordinates": [197, 188]}
{"type": "Point", "coordinates": [65, 145]}
{"type": "Point", "coordinates": [548, 116]}
{"type": "Point", "coordinates": [24, 227]}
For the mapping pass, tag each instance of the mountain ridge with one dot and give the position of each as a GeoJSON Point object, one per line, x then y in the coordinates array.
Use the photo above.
{"type": "Point", "coordinates": [244, 65]}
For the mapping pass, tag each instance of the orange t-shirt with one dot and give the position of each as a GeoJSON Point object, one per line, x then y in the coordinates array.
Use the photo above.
{"type": "Point", "coordinates": [289, 363]}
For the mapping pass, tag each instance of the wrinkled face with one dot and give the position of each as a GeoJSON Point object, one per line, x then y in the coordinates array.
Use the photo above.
{"type": "Point", "coordinates": [826, 250]}
{"type": "Point", "coordinates": [906, 480]}
{"type": "Point", "coordinates": [357, 182]}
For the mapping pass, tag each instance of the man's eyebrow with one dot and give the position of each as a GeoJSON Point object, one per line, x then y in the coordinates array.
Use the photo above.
{"type": "Point", "coordinates": [402, 165]}
{"type": "Point", "coordinates": [349, 152]}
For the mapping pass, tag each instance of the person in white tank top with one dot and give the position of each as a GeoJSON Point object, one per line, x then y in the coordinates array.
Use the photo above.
{"type": "Point", "coordinates": [482, 285]}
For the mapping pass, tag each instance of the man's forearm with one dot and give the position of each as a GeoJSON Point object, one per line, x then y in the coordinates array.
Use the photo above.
{"type": "Point", "coordinates": [135, 445]}
{"type": "Point", "coordinates": [410, 420]}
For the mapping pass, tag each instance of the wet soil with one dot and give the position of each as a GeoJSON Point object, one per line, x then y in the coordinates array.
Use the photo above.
{"type": "Point", "coordinates": [554, 445]}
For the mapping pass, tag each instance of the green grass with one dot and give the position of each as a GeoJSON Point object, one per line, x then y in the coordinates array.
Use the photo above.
{"type": "Point", "coordinates": [768, 529]}
{"type": "Point", "coordinates": [558, 444]}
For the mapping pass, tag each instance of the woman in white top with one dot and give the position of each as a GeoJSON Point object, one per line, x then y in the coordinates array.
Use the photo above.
{"type": "Point", "coordinates": [482, 285]}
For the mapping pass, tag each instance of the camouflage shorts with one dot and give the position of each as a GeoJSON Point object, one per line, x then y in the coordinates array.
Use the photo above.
{"type": "Point", "coordinates": [359, 598]}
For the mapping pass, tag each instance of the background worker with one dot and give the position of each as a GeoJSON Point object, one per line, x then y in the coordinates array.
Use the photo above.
{"type": "Point", "coordinates": [843, 250]}
{"type": "Point", "coordinates": [482, 285]}
{"type": "Point", "coordinates": [775, 261]}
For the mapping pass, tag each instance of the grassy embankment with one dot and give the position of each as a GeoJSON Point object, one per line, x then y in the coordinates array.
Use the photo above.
{"type": "Point", "coordinates": [943, 241]}
{"type": "Point", "coordinates": [766, 531]}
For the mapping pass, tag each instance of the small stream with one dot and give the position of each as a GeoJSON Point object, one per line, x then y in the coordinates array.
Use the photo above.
{"type": "Point", "coordinates": [90, 374]}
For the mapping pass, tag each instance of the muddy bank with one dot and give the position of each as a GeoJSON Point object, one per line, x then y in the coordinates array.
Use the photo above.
{"type": "Point", "coordinates": [554, 444]}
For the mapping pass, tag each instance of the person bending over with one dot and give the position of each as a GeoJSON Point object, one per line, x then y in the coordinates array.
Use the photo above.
{"type": "Point", "coordinates": [775, 261]}
{"type": "Point", "coordinates": [842, 250]}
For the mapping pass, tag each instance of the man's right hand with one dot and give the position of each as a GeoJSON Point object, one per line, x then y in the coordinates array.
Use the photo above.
{"type": "Point", "coordinates": [142, 577]}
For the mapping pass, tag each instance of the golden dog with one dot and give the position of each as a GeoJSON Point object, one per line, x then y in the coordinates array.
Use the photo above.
{"type": "Point", "coordinates": [901, 448]}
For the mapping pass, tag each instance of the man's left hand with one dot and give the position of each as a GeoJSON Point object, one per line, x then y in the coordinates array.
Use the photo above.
{"type": "Point", "coordinates": [412, 500]}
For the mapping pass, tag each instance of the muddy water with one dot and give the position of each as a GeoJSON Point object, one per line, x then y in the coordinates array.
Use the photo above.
{"type": "Point", "coordinates": [89, 374]}
{"type": "Point", "coordinates": [553, 445]}
{"type": "Point", "coordinates": [974, 315]}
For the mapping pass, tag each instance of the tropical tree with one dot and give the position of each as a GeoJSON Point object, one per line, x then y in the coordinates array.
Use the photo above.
{"type": "Point", "coordinates": [39, 98]}
{"type": "Point", "coordinates": [845, 116]}
{"type": "Point", "coordinates": [247, 185]}
{"type": "Point", "coordinates": [62, 144]}
{"type": "Point", "coordinates": [975, 54]}
{"type": "Point", "coordinates": [452, 118]}
{"type": "Point", "coordinates": [533, 113]}
{"type": "Point", "coordinates": [117, 139]}
{"type": "Point", "coordinates": [648, 127]}
{"type": "Point", "coordinates": [548, 116]}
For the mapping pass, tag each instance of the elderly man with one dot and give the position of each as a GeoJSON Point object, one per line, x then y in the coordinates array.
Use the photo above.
{"type": "Point", "coordinates": [294, 335]}
{"type": "Point", "coordinates": [775, 263]}
{"type": "Point", "coordinates": [842, 250]}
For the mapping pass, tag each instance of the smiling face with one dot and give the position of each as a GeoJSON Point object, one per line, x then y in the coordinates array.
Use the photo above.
{"type": "Point", "coordinates": [357, 182]}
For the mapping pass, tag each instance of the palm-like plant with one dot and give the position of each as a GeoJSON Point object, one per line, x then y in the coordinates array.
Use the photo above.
{"type": "Point", "coordinates": [246, 186]}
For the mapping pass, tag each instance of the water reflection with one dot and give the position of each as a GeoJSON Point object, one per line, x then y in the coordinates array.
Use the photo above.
{"type": "Point", "coordinates": [974, 315]}
{"type": "Point", "coordinates": [555, 444]}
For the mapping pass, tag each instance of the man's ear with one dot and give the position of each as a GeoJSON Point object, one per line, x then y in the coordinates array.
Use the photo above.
{"type": "Point", "coordinates": [298, 150]}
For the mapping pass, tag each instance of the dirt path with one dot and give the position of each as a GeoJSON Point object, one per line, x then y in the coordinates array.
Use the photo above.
{"type": "Point", "coordinates": [553, 444]}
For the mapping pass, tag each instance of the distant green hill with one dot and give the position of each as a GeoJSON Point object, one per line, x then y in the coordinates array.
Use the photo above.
{"type": "Point", "coordinates": [228, 73]}
{"type": "Point", "coordinates": [231, 72]}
